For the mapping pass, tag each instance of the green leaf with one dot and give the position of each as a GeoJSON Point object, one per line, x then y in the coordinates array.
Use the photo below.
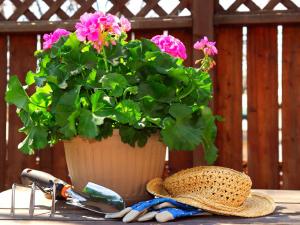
{"type": "Point", "coordinates": [133, 136]}
{"type": "Point", "coordinates": [127, 135]}
{"type": "Point", "coordinates": [96, 100]}
{"type": "Point", "coordinates": [158, 90]}
{"type": "Point", "coordinates": [179, 74]}
{"type": "Point", "coordinates": [160, 61]}
{"type": "Point", "coordinates": [40, 81]}
{"type": "Point", "coordinates": [72, 41]}
{"type": "Point", "coordinates": [180, 111]}
{"type": "Point", "coordinates": [206, 124]}
{"type": "Point", "coordinates": [180, 135]}
{"type": "Point", "coordinates": [132, 90]}
{"type": "Point", "coordinates": [128, 111]}
{"type": "Point", "coordinates": [92, 77]}
{"type": "Point", "coordinates": [16, 94]}
{"type": "Point", "coordinates": [89, 59]}
{"type": "Point", "coordinates": [66, 105]}
{"type": "Point", "coordinates": [36, 139]}
{"type": "Point", "coordinates": [114, 82]}
{"type": "Point", "coordinates": [69, 130]}
{"type": "Point", "coordinates": [87, 126]}
{"type": "Point", "coordinates": [106, 129]}
{"type": "Point", "coordinates": [30, 78]}
{"type": "Point", "coordinates": [42, 97]}
{"type": "Point", "coordinates": [149, 45]}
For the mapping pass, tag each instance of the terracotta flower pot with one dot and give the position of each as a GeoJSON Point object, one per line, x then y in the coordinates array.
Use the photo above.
{"type": "Point", "coordinates": [115, 165]}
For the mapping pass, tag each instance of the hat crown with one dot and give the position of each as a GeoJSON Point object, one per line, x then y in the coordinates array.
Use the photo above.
{"type": "Point", "coordinates": [215, 184]}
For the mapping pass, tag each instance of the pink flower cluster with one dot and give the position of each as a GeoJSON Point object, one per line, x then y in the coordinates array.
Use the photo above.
{"type": "Point", "coordinates": [50, 39]}
{"type": "Point", "coordinates": [170, 45]}
{"type": "Point", "coordinates": [208, 47]}
{"type": "Point", "coordinates": [100, 28]}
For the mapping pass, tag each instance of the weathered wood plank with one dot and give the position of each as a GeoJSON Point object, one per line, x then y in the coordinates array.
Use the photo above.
{"type": "Point", "coordinates": [282, 196]}
{"type": "Point", "coordinates": [137, 23]}
{"type": "Point", "coordinates": [262, 87]}
{"type": "Point", "coordinates": [22, 48]}
{"type": "Point", "coordinates": [284, 214]}
{"type": "Point", "coordinates": [228, 96]}
{"type": "Point", "coordinates": [59, 164]}
{"type": "Point", "coordinates": [3, 74]}
{"type": "Point", "coordinates": [259, 17]}
{"type": "Point", "coordinates": [287, 212]}
{"type": "Point", "coordinates": [290, 107]}
{"type": "Point", "coordinates": [202, 26]}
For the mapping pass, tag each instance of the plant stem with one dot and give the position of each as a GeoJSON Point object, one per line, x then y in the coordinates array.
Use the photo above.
{"type": "Point", "coordinates": [105, 58]}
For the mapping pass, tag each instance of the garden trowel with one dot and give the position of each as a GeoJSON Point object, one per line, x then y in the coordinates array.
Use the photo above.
{"type": "Point", "coordinates": [94, 197]}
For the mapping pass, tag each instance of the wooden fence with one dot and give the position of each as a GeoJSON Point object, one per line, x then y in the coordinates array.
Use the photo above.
{"type": "Point", "coordinates": [18, 41]}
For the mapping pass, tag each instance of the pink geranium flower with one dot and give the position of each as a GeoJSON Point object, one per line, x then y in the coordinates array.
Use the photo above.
{"type": "Point", "coordinates": [170, 45]}
{"type": "Point", "coordinates": [50, 39]}
{"type": "Point", "coordinates": [100, 29]}
{"type": "Point", "coordinates": [208, 47]}
{"type": "Point", "coordinates": [125, 24]}
{"type": "Point", "coordinates": [88, 27]}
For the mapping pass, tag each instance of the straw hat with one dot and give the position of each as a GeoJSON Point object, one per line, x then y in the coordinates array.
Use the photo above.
{"type": "Point", "coordinates": [215, 189]}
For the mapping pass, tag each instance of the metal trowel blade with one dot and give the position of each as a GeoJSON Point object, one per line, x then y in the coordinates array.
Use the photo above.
{"type": "Point", "coordinates": [97, 198]}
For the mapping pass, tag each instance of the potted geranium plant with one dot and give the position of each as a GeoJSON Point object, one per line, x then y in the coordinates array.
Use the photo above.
{"type": "Point", "coordinates": [107, 98]}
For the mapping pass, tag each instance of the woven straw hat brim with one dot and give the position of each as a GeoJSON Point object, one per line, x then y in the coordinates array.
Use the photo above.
{"type": "Point", "coordinates": [257, 204]}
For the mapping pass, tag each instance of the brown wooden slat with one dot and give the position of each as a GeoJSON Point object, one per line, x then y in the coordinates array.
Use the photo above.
{"type": "Point", "coordinates": [202, 22]}
{"type": "Point", "coordinates": [59, 165]}
{"type": "Point", "coordinates": [119, 6]}
{"type": "Point", "coordinates": [183, 4]}
{"type": "Point", "coordinates": [1, 16]}
{"type": "Point", "coordinates": [235, 5]}
{"type": "Point", "coordinates": [137, 24]}
{"type": "Point", "coordinates": [202, 26]}
{"type": "Point", "coordinates": [85, 6]}
{"type": "Point", "coordinates": [126, 12]}
{"type": "Point", "coordinates": [251, 5]}
{"type": "Point", "coordinates": [271, 4]}
{"type": "Point", "coordinates": [290, 107]}
{"type": "Point", "coordinates": [22, 47]}
{"type": "Point", "coordinates": [62, 15]}
{"type": "Point", "coordinates": [29, 15]}
{"type": "Point", "coordinates": [21, 7]}
{"type": "Point", "coordinates": [146, 9]}
{"type": "Point", "coordinates": [289, 4]}
{"type": "Point", "coordinates": [53, 8]}
{"type": "Point", "coordinates": [46, 162]}
{"type": "Point", "coordinates": [160, 11]}
{"type": "Point", "coordinates": [147, 33]}
{"type": "Point", "coordinates": [228, 96]}
{"type": "Point", "coordinates": [259, 17]}
{"type": "Point", "coordinates": [262, 86]}
{"type": "Point", "coordinates": [3, 63]}
{"type": "Point", "coordinates": [217, 7]}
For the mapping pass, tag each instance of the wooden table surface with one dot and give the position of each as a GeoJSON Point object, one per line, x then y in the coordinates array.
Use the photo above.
{"type": "Point", "coordinates": [287, 212]}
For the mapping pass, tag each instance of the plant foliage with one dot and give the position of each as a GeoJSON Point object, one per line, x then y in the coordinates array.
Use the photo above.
{"type": "Point", "coordinates": [139, 90]}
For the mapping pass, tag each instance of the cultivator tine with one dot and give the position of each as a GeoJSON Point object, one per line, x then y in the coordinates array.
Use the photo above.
{"type": "Point", "coordinates": [53, 199]}
{"type": "Point", "coordinates": [13, 199]}
{"type": "Point", "coordinates": [32, 200]}
{"type": "Point", "coordinates": [33, 188]}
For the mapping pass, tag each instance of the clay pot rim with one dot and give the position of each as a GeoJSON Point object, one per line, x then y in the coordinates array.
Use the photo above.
{"type": "Point", "coordinates": [115, 133]}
